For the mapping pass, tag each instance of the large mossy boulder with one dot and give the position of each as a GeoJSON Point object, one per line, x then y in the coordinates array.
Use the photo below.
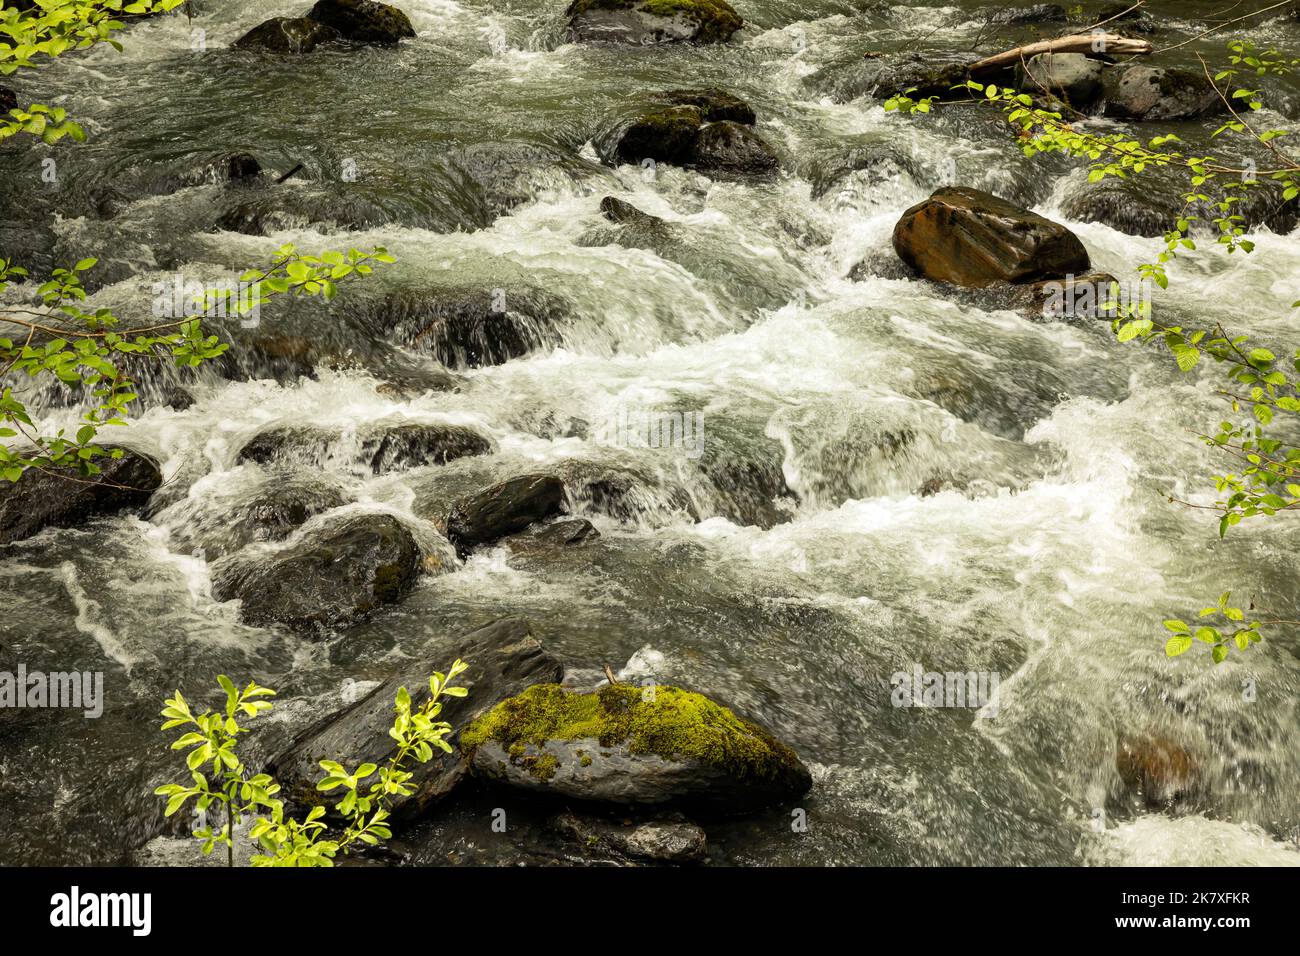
{"type": "Point", "coordinates": [504, 509]}
{"type": "Point", "coordinates": [1150, 93]}
{"type": "Point", "coordinates": [287, 35]}
{"type": "Point", "coordinates": [363, 21]}
{"type": "Point", "coordinates": [971, 238]}
{"type": "Point", "coordinates": [729, 147]}
{"type": "Point", "coordinates": [645, 22]}
{"type": "Point", "coordinates": [503, 659]}
{"type": "Point", "coordinates": [329, 578]}
{"type": "Point", "coordinates": [627, 744]}
{"type": "Point", "coordinates": [62, 499]}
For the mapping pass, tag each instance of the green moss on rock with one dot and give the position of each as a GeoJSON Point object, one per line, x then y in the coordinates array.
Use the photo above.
{"type": "Point", "coordinates": [671, 723]}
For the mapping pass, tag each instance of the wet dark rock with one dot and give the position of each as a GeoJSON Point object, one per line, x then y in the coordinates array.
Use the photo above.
{"type": "Point", "coordinates": [1079, 297]}
{"type": "Point", "coordinates": [645, 22]}
{"type": "Point", "coordinates": [714, 104]}
{"type": "Point", "coordinates": [1122, 18]}
{"type": "Point", "coordinates": [882, 78]}
{"type": "Point", "coordinates": [1073, 77]}
{"type": "Point", "coordinates": [363, 21]}
{"type": "Point", "coordinates": [44, 499]}
{"type": "Point", "coordinates": [666, 135]}
{"type": "Point", "coordinates": [408, 446]}
{"type": "Point", "coordinates": [1157, 93]}
{"type": "Point", "coordinates": [625, 744]}
{"type": "Point", "coordinates": [270, 512]}
{"type": "Point", "coordinates": [383, 449]}
{"type": "Point", "coordinates": [504, 659]}
{"type": "Point", "coordinates": [466, 326]}
{"type": "Point", "coordinates": [971, 238]}
{"type": "Point", "coordinates": [624, 213]}
{"type": "Point", "coordinates": [504, 509]}
{"type": "Point", "coordinates": [565, 533]}
{"type": "Point", "coordinates": [697, 129]}
{"type": "Point", "coordinates": [178, 398]}
{"type": "Point", "coordinates": [287, 35]}
{"type": "Point", "coordinates": [671, 839]}
{"type": "Point", "coordinates": [884, 265]}
{"type": "Point", "coordinates": [291, 208]}
{"type": "Point", "coordinates": [330, 578]}
{"type": "Point", "coordinates": [729, 147]}
{"type": "Point", "coordinates": [8, 99]}
{"type": "Point", "coordinates": [1025, 16]}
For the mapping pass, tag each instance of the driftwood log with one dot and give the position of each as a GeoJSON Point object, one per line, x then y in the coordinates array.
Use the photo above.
{"type": "Point", "coordinates": [1110, 44]}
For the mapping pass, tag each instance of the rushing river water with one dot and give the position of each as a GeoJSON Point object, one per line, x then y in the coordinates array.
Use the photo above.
{"type": "Point", "coordinates": [1048, 553]}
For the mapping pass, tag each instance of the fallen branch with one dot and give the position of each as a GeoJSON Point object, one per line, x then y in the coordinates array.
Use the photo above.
{"type": "Point", "coordinates": [1108, 43]}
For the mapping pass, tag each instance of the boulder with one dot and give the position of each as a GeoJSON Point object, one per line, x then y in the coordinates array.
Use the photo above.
{"type": "Point", "coordinates": [645, 22]}
{"type": "Point", "coordinates": [1072, 77]}
{"type": "Point", "coordinates": [363, 21]}
{"type": "Point", "coordinates": [64, 499]}
{"type": "Point", "coordinates": [627, 744]}
{"type": "Point", "coordinates": [287, 35]}
{"type": "Point", "coordinates": [1158, 93]}
{"type": "Point", "coordinates": [729, 147]}
{"type": "Point", "coordinates": [671, 839]}
{"type": "Point", "coordinates": [330, 578]}
{"type": "Point", "coordinates": [504, 509]}
{"type": "Point", "coordinates": [503, 659]}
{"type": "Point", "coordinates": [381, 449]}
{"type": "Point", "coordinates": [971, 238]}
{"type": "Point", "coordinates": [565, 533]}
{"type": "Point", "coordinates": [625, 214]}
{"type": "Point", "coordinates": [705, 129]}
{"type": "Point", "coordinates": [885, 77]}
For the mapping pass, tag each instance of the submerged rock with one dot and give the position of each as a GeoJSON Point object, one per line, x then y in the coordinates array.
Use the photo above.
{"type": "Point", "coordinates": [565, 533]}
{"type": "Point", "coordinates": [503, 659]}
{"type": "Point", "coordinates": [363, 21]}
{"type": "Point", "coordinates": [1159, 772]}
{"type": "Point", "coordinates": [972, 238]}
{"type": "Point", "coordinates": [287, 35]}
{"type": "Point", "coordinates": [382, 449]}
{"type": "Point", "coordinates": [1024, 16]}
{"type": "Point", "coordinates": [503, 509]}
{"type": "Point", "coordinates": [1158, 93]}
{"type": "Point", "coordinates": [628, 744]}
{"type": "Point", "coordinates": [330, 578]}
{"type": "Point", "coordinates": [467, 326]}
{"type": "Point", "coordinates": [270, 512]}
{"type": "Point", "coordinates": [658, 840]}
{"type": "Point", "coordinates": [64, 499]}
{"type": "Point", "coordinates": [727, 146]}
{"type": "Point", "coordinates": [645, 22]}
